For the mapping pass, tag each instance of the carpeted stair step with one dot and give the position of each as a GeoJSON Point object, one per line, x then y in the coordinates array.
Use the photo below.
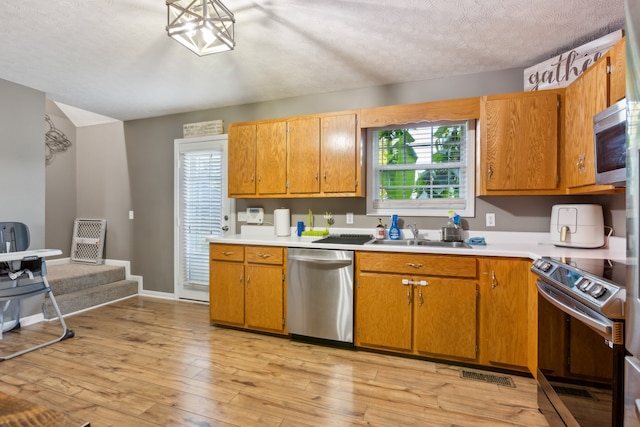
{"type": "Point", "coordinates": [89, 297]}
{"type": "Point", "coordinates": [73, 277]}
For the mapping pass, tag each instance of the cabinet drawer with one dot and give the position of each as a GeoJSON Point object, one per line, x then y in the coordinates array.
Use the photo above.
{"type": "Point", "coordinates": [265, 255]}
{"type": "Point", "coordinates": [222, 252]}
{"type": "Point", "coordinates": [421, 264]}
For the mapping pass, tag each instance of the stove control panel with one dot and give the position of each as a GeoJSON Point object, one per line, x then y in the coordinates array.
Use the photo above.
{"type": "Point", "coordinates": [595, 291]}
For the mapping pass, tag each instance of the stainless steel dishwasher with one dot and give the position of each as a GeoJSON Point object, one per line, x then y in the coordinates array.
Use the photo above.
{"type": "Point", "coordinates": [320, 294]}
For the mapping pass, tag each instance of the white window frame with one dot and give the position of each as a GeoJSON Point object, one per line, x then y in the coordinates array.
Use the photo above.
{"type": "Point", "coordinates": [423, 207]}
{"type": "Point", "coordinates": [184, 288]}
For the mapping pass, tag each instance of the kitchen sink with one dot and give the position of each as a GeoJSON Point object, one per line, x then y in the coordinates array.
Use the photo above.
{"type": "Point", "coordinates": [431, 243]}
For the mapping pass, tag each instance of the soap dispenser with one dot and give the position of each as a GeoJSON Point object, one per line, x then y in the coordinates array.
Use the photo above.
{"type": "Point", "coordinates": [394, 231]}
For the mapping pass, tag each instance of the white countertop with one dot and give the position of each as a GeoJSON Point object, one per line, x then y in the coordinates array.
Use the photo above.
{"type": "Point", "coordinates": [502, 244]}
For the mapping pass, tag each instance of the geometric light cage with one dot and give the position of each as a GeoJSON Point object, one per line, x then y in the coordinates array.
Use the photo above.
{"type": "Point", "coordinates": [203, 26]}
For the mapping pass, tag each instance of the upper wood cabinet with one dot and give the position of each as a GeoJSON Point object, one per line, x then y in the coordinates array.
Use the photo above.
{"type": "Point", "coordinates": [600, 86]}
{"type": "Point", "coordinates": [617, 72]}
{"type": "Point", "coordinates": [271, 158]}
{"type": "Point", "coordinates": [585, 97]}
{"type": "Point", "coordinates": [519, 143]}
{"type": "Point", "coordinates": [242, 160]}
{"type": "Point", "coordinates": [303, 161]}
{"type": "Point", "coordinates": [339, 154]}
{"type": "Point", "coordinates": [305, 156]}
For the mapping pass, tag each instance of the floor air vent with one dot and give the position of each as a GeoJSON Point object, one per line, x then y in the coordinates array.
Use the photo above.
{"type": "Point", "coordinates": [575, 392]}
{"type": "Point", "coordinates": [487, 378]}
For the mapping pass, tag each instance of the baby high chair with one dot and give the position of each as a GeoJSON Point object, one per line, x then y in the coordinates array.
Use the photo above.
{"type": "Point", "coordinates": [22, 275]}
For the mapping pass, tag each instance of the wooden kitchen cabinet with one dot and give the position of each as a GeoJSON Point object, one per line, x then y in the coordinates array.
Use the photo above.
{"type": "Point", "coordinates": [226, 284]}
{"type": "Point", "coordinates": [257, 159]}
{"type": "Point", "coordinates": [585, 97]}
{"type": "Point", "coordinates": [504, 290]}
{"type": "Point", "coordinates": [403, 305]}
{"type": "Point", "coordinates": [271, 158]}
{"type": "Point", "coordinates": [383, 312]}
{"type": "Point", "coordinates": [617, 72]}
{"type": "Point", "coordinates": [442, 308]}
{"type": "Point", "coordinates": [247, 287]}
{"type": "Point", "coordinates": [303, 161]}
{"type": "Point", "coordinates": [519, 143]}
{"type": "Point", "coordinates": [304, 156]}
{"type": "Point", "coordinates": [339, 154]}
{"type": "Point", "coordinates": [242, 160]}
{"type": "Point", "coordinates": [600, 86]}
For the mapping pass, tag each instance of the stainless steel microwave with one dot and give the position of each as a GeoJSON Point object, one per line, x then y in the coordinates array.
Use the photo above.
{"type": "Point", "coordinates": [610, 144]}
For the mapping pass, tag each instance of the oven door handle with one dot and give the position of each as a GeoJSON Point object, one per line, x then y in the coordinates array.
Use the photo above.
{"type": "Point", "coordinates": [563, 303]}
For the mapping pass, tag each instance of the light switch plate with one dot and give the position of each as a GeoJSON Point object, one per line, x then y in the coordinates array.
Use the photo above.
{"type": "Point", "coordinates": [242, 216]}
{"type": "Point", "coordinates": [491, 220]}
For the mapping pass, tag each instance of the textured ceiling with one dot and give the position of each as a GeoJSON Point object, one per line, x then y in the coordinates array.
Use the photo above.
{"type": "Point", "coordinates": [114, 58]}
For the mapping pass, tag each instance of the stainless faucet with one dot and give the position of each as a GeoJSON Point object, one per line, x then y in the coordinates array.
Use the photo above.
{"type": "Point", "coordinates": [414, 231]}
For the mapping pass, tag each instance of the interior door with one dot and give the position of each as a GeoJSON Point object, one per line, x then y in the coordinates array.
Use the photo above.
{"type": "Point", "coordinates": [202, 208]}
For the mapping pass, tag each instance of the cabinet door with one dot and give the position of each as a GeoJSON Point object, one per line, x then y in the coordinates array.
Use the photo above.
{"type": "Point", "coordinates": [226, 292]}
{"type": "Point", "coordinates": [242, 160]}
{"type": "Point", "coordinates": [617, 72]}
{"type": "Point", "coordinates": [271, 158]}
{"type": "Point", "coordinates": [383, 312]}
{"type": "Point", "coordinates": [303, 155]}
{"type": "Point", "coordinates": [339, 154]}
{"type": "Point", "coordinates": [445, 319]}
{"type": "Point", "coordinates": [520, 149]}
{"type": "Point", "coordinates": [504, 310]}
{"type": "Point", "coordinates": [584, 98]}
{"type": "Point", "coordinates": [264, 298]}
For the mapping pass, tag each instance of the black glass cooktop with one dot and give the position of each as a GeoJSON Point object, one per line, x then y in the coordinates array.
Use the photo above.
{"type": "Point", "coordinates": [346, 239]}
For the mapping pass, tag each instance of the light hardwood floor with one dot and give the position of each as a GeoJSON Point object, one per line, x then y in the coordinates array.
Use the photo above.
{"type": "Point", "coordinates": [150, 362]}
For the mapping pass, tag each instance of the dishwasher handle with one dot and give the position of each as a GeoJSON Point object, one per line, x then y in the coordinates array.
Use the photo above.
{"type": "Point", "coordinates": [324, 261]}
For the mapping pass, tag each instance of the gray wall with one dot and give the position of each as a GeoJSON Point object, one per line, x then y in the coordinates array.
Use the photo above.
{"type": "Point", "coordinates": [103, 189]}
{"type": "Point", "coordinates": [90, 181]}
{"type": "Point", "coordinates": [61, 186]}
{"type": "Point", "coordinates": [22, 158]}
{"type": "Point", "coordinates": [150, 158]}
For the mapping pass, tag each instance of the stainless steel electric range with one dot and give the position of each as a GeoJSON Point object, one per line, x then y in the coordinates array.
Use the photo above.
{"type": "Point", "coordinates": [581, 307]}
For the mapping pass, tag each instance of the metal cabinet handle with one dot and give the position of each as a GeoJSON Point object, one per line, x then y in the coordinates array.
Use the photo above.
{"type": "Point", "coordinates": [414, 265]}
{"type": "Point", "coordinates": [241, 275]}
{"type": "Point", "coordinates": [316, 176]}
{"type": "Point", "coordinates": [489, 171]}
{"type": "Point", "coordinates": [227, 253]}
{"type": "Point", "coordinates": [264, 256]}
{"type": "Point", "coordinates": [581, 163]}
{"type": "Point", "coordinates": [409, 296]}
{"type": "Point", "coordinates": [420, 296]}
{"type": "Point", "coordinates": [325, 177]}
{"type": "Point", "coordinates": [248, 281]}
{"type": "Point", "coordinates": [494, 282]}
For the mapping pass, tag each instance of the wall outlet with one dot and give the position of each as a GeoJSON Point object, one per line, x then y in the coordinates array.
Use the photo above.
{"type": "Point", "coordinates": [349, 217]}
{"type": "Point", "coordinates": [130, 214]}
{"type": "Point", "coordinates": [242, 216]}
{"type": "Point", "coordinates": [491, 220]}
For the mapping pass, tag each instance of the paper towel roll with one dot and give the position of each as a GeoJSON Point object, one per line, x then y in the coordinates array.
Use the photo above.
{"type": "Point", "coordinates": [282, 222]}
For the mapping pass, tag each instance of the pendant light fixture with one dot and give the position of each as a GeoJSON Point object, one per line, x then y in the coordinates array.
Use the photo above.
{"type": "Point", "coordinates": [203, 26]}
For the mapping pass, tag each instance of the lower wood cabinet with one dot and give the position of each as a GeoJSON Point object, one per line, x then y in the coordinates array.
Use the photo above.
{"type": "Point", "coordinates": [505, 321]}
{"type": "Point", "coordinates": [459, 308]}
{"type": "Point", "coordinates": [247, 287]}
{"type": "Point", "coordinates": [417, 312]}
